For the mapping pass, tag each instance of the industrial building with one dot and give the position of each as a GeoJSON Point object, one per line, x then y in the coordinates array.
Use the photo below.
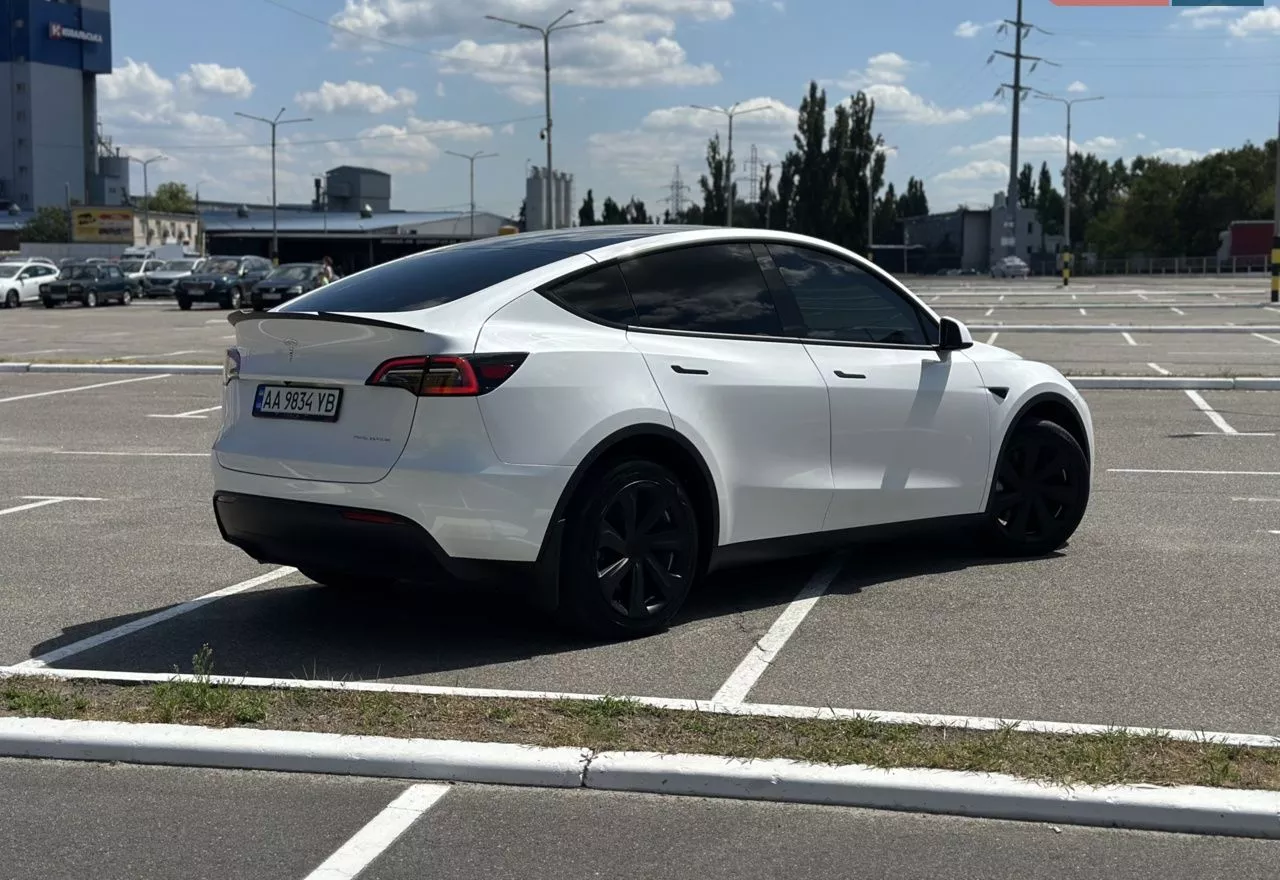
{"type": "Point", "coordinates": [969, 238]}
{"type": "Point", "coordinates": [535, 198]}
{"type": "Point", "coordinates": [49, 65]}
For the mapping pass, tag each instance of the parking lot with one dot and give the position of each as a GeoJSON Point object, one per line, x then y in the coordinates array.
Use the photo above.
{"type": "Point", "coordinates": [1159, 613]}
{"type": "Point", "coordinates": [64, 821]}
{"type": "Point", "coordinates": [1020, 315]}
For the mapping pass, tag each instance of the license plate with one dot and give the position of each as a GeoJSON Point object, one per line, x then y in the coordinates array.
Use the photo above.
{"type": "Point", "coordinates": [293, 402]}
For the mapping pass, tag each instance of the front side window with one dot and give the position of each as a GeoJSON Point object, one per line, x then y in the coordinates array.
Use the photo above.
{"type": "Point", "coordinates": [716, 288]}
{"type": "Point", "coordinates": [839, 300]}
{"type": "Point", "coordinates": [600, 294]}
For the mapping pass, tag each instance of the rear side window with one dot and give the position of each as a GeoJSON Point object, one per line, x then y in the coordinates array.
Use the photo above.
{"type": "Point", "coordinates": [600, 294]}
{"type": "Point", "coordinates": [839, 300]}
{"type": "Point", "coordinates": [422, 281]}
{"type": "Point", "coordinates": [715, 288]}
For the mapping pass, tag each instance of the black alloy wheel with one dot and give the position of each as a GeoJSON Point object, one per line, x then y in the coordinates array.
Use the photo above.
{"type": "Point", "coordinates": [631, 553]}
{"type": "Point", "coordinates": [1040, 491]}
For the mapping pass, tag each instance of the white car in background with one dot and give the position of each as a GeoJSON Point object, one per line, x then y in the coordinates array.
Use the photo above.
{"type": "Point", "coordinates": [163, 281]}
{"type": "Point", "coordinates": [1011, 267]}
{"type": "Point", "coordinates": [20, 281]}
{"type": "Point", "coordinates": [136, 270]}
{"type": "Point", "coordinates": [615, 411]}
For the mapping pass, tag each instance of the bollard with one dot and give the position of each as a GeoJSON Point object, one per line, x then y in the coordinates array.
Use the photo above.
{"type": "Point", "coordinates": [1066, 269]}
{"type": "Point", "coordinates": [1275, 268]}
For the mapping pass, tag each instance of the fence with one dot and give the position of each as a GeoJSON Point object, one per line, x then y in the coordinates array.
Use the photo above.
{"type": "Point", "coordinates": [1157, 266]}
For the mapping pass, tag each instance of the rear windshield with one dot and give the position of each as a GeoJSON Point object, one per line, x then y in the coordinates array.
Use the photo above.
{"type": "Point", "coordinates": [428, 279]}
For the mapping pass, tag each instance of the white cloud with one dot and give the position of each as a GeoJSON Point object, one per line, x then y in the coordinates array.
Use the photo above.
{"type": "Point", "coordinates": [440, 89]}
{"type": "Point", "coordinates": [1077, 87]}
{"type": "Point", "coordinates": [636, 45]}
{"type": "Point", "coordinates": [135, 82]}
{"type": "Point", "coordinates": [216, 80]}
{"type": "Point", "coordinates": [1040, 147]}
{"type": "Point", "coordinates": [979, 169]}
{"type": "Point", "coordinates": [678, 136]}
{"type": "Point", "coordinates": [353, 97]}
{"type": "Point", "coordinates": [1257, 22]}
{"type": "Point", "coordinates": [883, 81]}
{"type": "Point", "coordinates": [1182, 155]}
{"type": "Point", "coordinates": [967, 30]}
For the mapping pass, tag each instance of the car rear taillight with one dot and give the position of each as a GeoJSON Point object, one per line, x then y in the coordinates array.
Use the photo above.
{"type": "Point", "coordinates": [447, 375]}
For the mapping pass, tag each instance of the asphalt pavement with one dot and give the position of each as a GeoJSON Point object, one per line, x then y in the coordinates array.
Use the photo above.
{"type": "Point", "coordinates": [63, 820]}
{"type": "Point", "coordinates": [1168, 580]}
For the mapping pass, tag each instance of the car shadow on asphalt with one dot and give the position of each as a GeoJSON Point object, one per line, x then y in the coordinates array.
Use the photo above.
{"type": "Point", "coordinates": [309, 631]}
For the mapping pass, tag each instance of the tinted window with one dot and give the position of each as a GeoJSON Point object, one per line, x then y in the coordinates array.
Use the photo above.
{"type": "Point", "coordinates": [601, 294]}
{"type": "Point", "coordinates": [710, 288]}
{"type": "Point", "coordinates": [839, 300]}
{"type": "Point", "coordinates": [424, 280]}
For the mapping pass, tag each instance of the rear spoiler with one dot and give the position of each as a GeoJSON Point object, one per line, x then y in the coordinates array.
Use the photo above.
{"type": "Point", "coordinates": [333, 317]}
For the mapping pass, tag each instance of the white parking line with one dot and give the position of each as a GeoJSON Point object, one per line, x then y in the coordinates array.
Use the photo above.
{"type": "Point", "coordinates": [991, 340]}
{"type": "Point", "coordinates": [1142, 296]}
{"type": "Point", "coordinates": [142, 623]}
{"type": "Point", "coordinates": [987, 313]}
{"type": "Point", "coordinates": [1268, 338]}
{"type": "Point", "coordinates": [138, 357]}
{"type": "Point", "coordinates": [1128, 337]}
{"type": "Point", "coordinates": [1203, 405]}
{"type": "Point", "coordinates": [1082, 311]}
{"type": "Point", "coordinates": [193, 414]}
{"type": "Point", "coordinates": [765, 650]}
{"type": "Point", "coordinates": [131, 454]}
{"type": "Point", "coordinates": [1259, 500]}
{"type": "Point", "coordinates": [1159, 369]}
{"type": "Point", "coordinates": [1176, 310]}
{"type": "Point", "coordinates": [382, 830]}
{"type": "Point", "coordinates": [84, 387]}
{"type": "Point", "coordinates": [1001, 299]}
{"type": "Point", "coordinates": [1204, 473]}
{"type": "Point", "coordinates": [43, 501]}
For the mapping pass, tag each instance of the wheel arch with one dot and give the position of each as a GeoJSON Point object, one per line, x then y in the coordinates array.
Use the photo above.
{"type": "Point", "coordinates": [1054, 406]}
{"type": "Point", "coordinates": [652, 441]}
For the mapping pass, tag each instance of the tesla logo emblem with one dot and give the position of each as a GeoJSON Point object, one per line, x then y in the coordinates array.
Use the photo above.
{"type": "Point", "coordinates": [292, 344]}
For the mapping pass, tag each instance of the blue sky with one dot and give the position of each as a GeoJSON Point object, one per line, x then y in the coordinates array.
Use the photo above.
{"type": "Point", "coordinates": [436, 76]}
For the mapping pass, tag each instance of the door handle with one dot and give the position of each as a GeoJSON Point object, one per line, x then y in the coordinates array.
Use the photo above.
{"type": "Point", "coordinates": [686, 371]}
{"type": "Point", "coordinates": [843, 375]}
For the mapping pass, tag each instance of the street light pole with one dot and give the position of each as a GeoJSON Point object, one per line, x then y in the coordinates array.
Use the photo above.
{"type": "Point", "coordinates": [146, 194]}
{"type": "Point", "coordinates": [471, 160]}
{"type": "Point", "coordinates": [729, 113]}
{"type": "Point", "coordinates": [1066, 181]}
{"type": "Point", "coordinates": [274, 123]}
{"type": "Point", "coordinates": [546, 32]}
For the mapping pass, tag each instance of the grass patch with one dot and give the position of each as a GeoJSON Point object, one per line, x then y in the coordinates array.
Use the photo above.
{"type": "Point", "coordinates": [1110, 757]}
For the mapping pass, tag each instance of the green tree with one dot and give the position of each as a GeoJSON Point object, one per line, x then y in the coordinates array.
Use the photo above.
{"type": "Point", "coordinates": [768, 198]}
{"type": "Point", "coordinates": [913, 202]}
{"type": "Point", "coordinates": [522, 222]}
{"type": "Point", "coordinates": [1027, 186]}
{"type": "Point", "coordinates": [172, 197]}
{"type": "Point", "coordinates": [49, 224]}
{"type": "Point", "coordinates": [887, 228]}
{"type": "Point", "coordinates": [587, 213]}
{"type": "Point", "coordinates": [611, 214]}
{"type": "Point", "coordinates": [812, 166]}
{"type": "Point", "coordinates": [714, 205]}
{"type": "Point", "coordinates": [636, 212]}
{"type": "Point", "coordinates": [1049, 205]}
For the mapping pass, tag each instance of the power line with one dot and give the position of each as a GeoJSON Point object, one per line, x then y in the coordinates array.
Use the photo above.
{"type": "Point", "coordinates": [677, 189]}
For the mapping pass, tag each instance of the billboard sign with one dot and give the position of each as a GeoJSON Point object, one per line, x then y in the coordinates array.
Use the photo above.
{"type": "Point", "coordinates": [102, 225]}
{"type": "Point", "coordinates": [62, 32]}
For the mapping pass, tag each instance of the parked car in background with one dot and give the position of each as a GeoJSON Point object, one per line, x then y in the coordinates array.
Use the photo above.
{"type": "Point", "coordinates": [20, 281]}
{"type": "Point", "coordinates": [89, 284]}
{"type": "Point", "coordinates": [222, 280]}
{"type": "Point", "coordinates": [136, 269]}
{"type": "Point", "coordinates": [284, 283]}
{"type": "Point", "coordinates": [164, 280]}
{"type": "Point", "coordinates": [1010, 267]}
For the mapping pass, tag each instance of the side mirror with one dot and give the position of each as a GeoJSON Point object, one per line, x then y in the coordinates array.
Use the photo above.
{"type": "Point", "coordinates": [953, 335]}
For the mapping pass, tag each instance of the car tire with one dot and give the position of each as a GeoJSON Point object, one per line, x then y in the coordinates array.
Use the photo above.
{"type": "Point", "coordinates": [184, 303]}
{"type": "Point", "coordinates": [234, 300]}
{"type": "Point", "coordinates": [126, 298]}
{"type": "Point", "coordinates": [1039, 493]}
{"type": "Point", "coordinates": [342, 580]}
{"type": "Point", "coordinates": [616, 580]}
{"type": "Point", "coordinates": [12, 300]}
{"type": "Point", "coordinates": [90, 300]}
{"type": "Point", "coordinates": [48, 303]}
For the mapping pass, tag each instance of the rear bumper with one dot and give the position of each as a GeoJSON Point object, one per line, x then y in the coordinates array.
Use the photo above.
{"type": "Point", "coordinates": [317, 537]}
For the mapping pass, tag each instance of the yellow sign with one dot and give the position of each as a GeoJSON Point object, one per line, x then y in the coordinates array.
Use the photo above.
{"type": "Point", "coordinates": [102, 225]}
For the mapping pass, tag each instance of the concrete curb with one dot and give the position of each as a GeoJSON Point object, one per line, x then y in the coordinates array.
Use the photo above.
{"type": "Point", "coordinates": [292, 751]}
{"type": "Point", "coordinates": [1188, 809]}
{"type": "Point", "coordinates": [1185, 809]}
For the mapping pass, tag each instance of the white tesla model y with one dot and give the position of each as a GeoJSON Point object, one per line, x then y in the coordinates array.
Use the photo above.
{"type": "Point", "coordinates": [612, 412]}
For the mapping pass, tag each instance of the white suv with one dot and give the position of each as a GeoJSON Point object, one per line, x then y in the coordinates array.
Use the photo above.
{"type": "Point", "coordinates": [20, 281]}
{"type": "Point", "coordinates": [614, 411]}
